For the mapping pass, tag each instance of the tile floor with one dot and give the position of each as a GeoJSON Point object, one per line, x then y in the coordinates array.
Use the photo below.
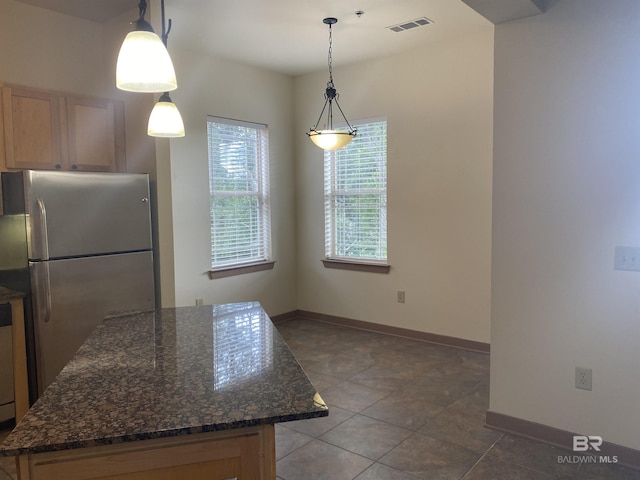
{"type": "Point", "coordinates": [401, 410]}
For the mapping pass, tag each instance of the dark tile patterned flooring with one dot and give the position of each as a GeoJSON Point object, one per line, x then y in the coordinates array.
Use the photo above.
{"type": "Point", "coordinates": [401, 409]}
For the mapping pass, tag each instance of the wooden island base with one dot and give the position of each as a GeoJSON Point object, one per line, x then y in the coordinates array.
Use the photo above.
{"type": "Point", "coordinates": [242, 454]}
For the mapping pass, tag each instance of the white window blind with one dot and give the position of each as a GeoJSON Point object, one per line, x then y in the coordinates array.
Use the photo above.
{"type": "Point", "coordinates": [356, 196]}
{"type": "Point", "coordinates": [239, 192]}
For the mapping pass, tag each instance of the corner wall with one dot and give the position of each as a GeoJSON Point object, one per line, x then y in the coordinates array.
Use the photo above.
{"type": "Point", "coordinates": [566, 192]}
{"type": "Point", "coordinates": [439, 109]}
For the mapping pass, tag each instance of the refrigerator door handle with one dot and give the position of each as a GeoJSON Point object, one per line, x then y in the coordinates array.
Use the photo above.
{"type": "Point", "coordinates": [43, 246]}
{"type": "Point", "coordinates": [42, 295]}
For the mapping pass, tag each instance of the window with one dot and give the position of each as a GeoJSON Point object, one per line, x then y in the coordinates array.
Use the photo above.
{"type": "Point", "coordinates": [355, 188]}
{"type": "Point", "coordinates": [239, 195]}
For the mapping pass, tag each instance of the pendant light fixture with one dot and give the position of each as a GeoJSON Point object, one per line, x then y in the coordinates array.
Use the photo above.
{"type": "Point", "coordinates": [165, 119]}
{"type": "Point", "coordinates": [330, 138]}
{"type": "Point", "coordinates": [144, 65]}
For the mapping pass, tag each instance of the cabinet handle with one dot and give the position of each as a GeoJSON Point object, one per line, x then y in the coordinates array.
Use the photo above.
{"type": "Point", "coordinates": [58, 166]}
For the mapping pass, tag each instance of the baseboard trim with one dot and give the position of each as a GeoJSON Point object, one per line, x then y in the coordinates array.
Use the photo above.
{"type": "Point", "coordinates": [386, 329]}
{"type": "Point", "coordinates": [284, 317]}
{"type": "Point", "coordinates": [559, 438]}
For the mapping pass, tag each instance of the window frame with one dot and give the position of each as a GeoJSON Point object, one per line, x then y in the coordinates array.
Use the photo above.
{"type": "Point", "coordinates": [332, 259]}
{"type": "Point", "coordinates": [264, 259]}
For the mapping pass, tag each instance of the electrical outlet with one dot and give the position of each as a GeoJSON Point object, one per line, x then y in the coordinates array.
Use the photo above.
{"type": "Point", "coordinates": [627, 258]}
{"type": "Point", "coordinates": [199, 301]}
{"type": "Point", "coordinates": [583, 378]}
{"type": "Point", "coordinates": [400, 296]}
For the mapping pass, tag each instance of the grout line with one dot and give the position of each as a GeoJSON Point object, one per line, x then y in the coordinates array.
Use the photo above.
{"type": "Point", "coordinates": [482, 457]}
{"type": "Point", "coordinates": [283, 424]}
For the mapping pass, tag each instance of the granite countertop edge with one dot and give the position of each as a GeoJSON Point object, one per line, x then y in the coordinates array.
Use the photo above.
{"type": "Point", "coordinates": [106, 441]}
{"type": "Point", "coordinates": [7, 294]}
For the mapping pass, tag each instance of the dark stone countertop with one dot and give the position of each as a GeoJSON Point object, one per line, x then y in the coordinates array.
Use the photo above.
{"type": "Point", "coordinates": [7, 294]}
{"type": "Point", "coordinates": [169, 372]}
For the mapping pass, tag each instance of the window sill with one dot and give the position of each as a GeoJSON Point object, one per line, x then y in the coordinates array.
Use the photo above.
{"type": "Point", "coordinates": [240, 269]}
{"type": "Point", "coordinates": [356, 266]}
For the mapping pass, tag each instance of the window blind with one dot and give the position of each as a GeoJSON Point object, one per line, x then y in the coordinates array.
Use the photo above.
{"type": "Point", "coordinates": [239, 192]}
{"type": "Point", "coordinates": [356, 196]}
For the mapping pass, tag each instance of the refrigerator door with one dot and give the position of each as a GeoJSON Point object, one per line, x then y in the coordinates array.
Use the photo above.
{"type": "Point", "coordinates": [72, 296]}
{"type": "Point", "coordinates": [73, 214]}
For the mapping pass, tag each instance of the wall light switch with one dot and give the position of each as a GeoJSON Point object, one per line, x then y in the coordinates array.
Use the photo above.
{"type": "Point", "coordinates": [627, 258]}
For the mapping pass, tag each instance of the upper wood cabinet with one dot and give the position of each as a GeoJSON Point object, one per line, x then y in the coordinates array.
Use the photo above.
{"type": "Point", "coordinates": [32, 128]}
{"type": "Point", "coordinates": [57, 131]}
{"type": "Point", "coordinates": [96, 134]}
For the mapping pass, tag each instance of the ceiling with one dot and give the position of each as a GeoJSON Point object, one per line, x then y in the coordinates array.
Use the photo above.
{"type": "Point", "coordinates": [288, 35]}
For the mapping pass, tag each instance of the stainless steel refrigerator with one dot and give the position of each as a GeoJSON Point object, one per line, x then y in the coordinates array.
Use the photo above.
{"type": "Point", "coordinates": [79, 245]}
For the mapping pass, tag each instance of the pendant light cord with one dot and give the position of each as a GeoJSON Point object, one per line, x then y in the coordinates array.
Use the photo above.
{"type": "Point", "coordinates": [142, 7]}
{"type": "Point", "coordinates": [331, 94]}
{"type": "Point", "coordinates": [167, 29]}
{"type": "Point", "coordinates": [165, 37]}
{"type": "Point", "coordinates": [330, 59]}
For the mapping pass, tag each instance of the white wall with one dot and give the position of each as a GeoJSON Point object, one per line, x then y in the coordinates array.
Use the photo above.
{"type": "Point", "coordinates": [48, 50]}
{"type": "Point", "coordinates": [438, 104]}
{"type": "Point", "coordinates": [566, 192]}
{"type": "Point", "coordinates": [210, 86]}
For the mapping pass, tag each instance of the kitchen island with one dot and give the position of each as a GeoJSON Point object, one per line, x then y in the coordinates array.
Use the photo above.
{"type": "Point", "coordinates": [176, 393]}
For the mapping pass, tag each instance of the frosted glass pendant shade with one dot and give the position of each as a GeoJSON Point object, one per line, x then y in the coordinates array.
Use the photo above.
{"type": "Point", "coordinates": [165, 120]}
{"type": "Point", "coordinates": [144, 64]}
{"type": "Point", "coordinates": [331, 139]}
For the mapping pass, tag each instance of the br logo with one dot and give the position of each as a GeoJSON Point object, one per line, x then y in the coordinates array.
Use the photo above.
{"type": "Point", "coordinates": [584, 443]}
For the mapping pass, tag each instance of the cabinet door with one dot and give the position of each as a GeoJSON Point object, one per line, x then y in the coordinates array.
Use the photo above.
{"type": "Point", "coordinates": [95, 134]}
{"type": "Point", "coordinates": [242, 454]}
{"type": "Point", "coordinates": [32, 120]}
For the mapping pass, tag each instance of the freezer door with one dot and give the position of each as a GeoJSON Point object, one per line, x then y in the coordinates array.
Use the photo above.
{"type": "Point", "coordinates": [82, 213]}
{"type": "Point", "coordinates": [72, 296]}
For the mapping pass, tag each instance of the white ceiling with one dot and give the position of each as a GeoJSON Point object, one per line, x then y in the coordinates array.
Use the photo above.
{"type": "Point", "coordinates": [288, 35]}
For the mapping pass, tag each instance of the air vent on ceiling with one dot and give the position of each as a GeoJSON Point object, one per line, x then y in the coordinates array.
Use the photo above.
{"type": "Point", "coordinates": [409, 24]}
